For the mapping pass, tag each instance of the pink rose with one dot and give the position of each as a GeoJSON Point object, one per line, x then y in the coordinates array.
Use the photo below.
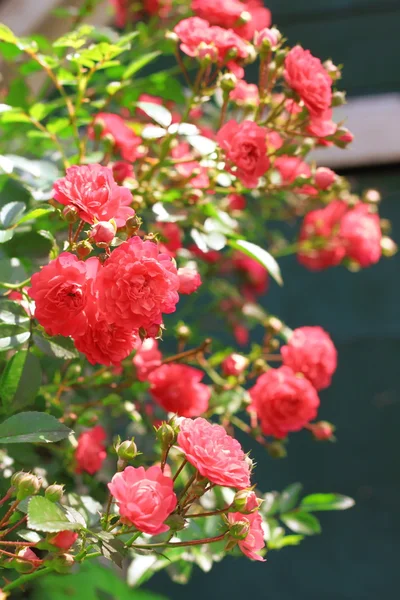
{"type": "Point", "coordinates": [245, 149]}
{"type": "Point", "coordinates": [253, 535]}
{"type": "Point", "coordinates": [62, 292]}
{"type": "Point", "coordinates": [254, 274]}
{"type": "Point", "coordinates": [103, 232]}
{"type": "Point", "coordinates": [130, 10]}
{"type": "Point", "coordinates": [92, 191]}
{"type": "Point", "coordinates": [245, 94]}
{"type": "Point", "coordinates": [145, 498]}
{"type": "Point", "coordinates": [324, 178]}
{"type": "Point", "coordinates": [322, 126]}
{"type": "Point", "coordinates": [122, 170]}
{"type": "Point", "coordinates": [64, 539]}
{"type": "Point", "coordinates": [90, 452]}
{"type": "Point", "coordinates": [290, 168]}
{"type": "Point", "coordinates": [283, 401]}
{"type": "Point", "coordinates": [189, 280]}
{"type": "Point", "coordinates": [361, 233]}
{"type": "Point", "coordinates": [321, 229]}
{"type": "Point", "coordinates": [272, 36]}
{"type": "Point", "coordinates": [310, 351]}
{"type": "Point", "coordinates": [215, 454]}
{"type": "Point", "coordinates": [171, 237]}
{"type": "Point", "coordinates": [137, 284]}
{"type": "Point", "coordinates": [190, 170]}
{"type": "Point", "coordinates": [227, 14]}
{"type": "Point", "coordinates": [178, 389]}
{"type": "Point", "coordinates": [147, 358]}
{"type": "Point", "coordinates": [234, 364]}
{"type": "Point", "coordinates": [125, 140]}
{"type": "Point", "coordinates": [305, 74]}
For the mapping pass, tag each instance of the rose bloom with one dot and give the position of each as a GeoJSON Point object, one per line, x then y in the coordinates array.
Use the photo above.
{"type": "Point", "coordinates": [361, 233]}
{"type": "Point", "coordinates": [310, 351]}
{"type": "Point", "coordinates": [241, 334]}
{"type": "Point", "coordinates": [215, 454]}
{"type": "Point", "coordinates": [92, 191]}
{"type": "Point", "coordinates": [137, 284]}
{"type": "Point", "coordinates": [114, 126]}
{"type": "Point", "coordinates": [245, 94]}
{"type": "Point", "coordinates": [125, 12]}
{"type": "Point", "coordinates": [189, 280]}
{"type": "Point", "coordinates": [171, 237]}
{"type": "Point", "coordinates": [322, 226]}
{"type": "Point", "coordinates": [227, 14]}
{"type": "Point", "coordinates": [245, 149]}
{"type": "Point", "coordinates": [145, 498]}
{"type": "Point", "coordinates": [122, 170]}
{"type": "Point", "coordinates": [105, 343]}
{"type": "Point", "coordinates": [322, 126]}
{"type": "Point", "coordinates": [90, 452]}
{"type": "Point", "coordinates": [191, 169]}
{"type": "Point", "coordinates": [147, 358]}
{"type": "Point", "coordinates": [291, 167]}
{"type": "Point", "coordinates": [305, 74]}
{"type": "Point", "coordinates": [254, 540]}
{"type": "Point", "coordinates": [254, 273]}
{"type": "Point", "coordinates": [283, 401]}
{"type": "Point", "coordinates": [64, 539]}
{"type": "Point", "coordinates": [236, 202]}
{"type": "Point", "coordinates": [234, 364]}
{"type": "Point", "coordinates": [324, 178]}
{"type": "Point", "coordinates": [61, 291]}
{"type": "Point", "coordinates": [178, 389]}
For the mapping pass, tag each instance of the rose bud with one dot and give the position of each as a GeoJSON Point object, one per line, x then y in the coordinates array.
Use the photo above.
{"type": "Point", "coordinates": [26, 485]}
{"type": "Point", "coordinates": [234, 364]}
{"type": "Point", "coordinates": [70, 214]}
{"type": "Point", "coordinates": [127, 450]}
{"type": "Point", "coordinates": [267, 38]}
{"type": "Point", "coordinates": [54, 492]}
{"type": "Point", "coordinates": [324, 178]}
{"type": "Point", "coordinates": [64, 539]}
{"type": "Point", "coordinates": [323, 431]}
{"type": "Point", "coordinates": [103, 233]}
{"type": "Point", "coordinates": [245, 501]}
{"type": "Point", "coordinates": [83, 249]}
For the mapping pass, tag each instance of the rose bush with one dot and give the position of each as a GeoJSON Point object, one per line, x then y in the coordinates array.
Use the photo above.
{"type": "Point", "coordinates": [135, 265]}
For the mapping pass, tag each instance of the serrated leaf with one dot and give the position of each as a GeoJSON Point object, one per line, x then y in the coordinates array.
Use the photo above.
{"type": "Point", "coordinates": [260, 255]}
{"type": "Point", "coordinates": [34, 214]}
{"type": "Point", "coordinates": [12, 313]}
{"type": "Point", "coordinates": [321, 502]}
{"type": "Point", "coordinates": [301, 522]}
{"type": "Point", "coordinates": [20, 381]}
{"type": "Point", "coordinates": [47, 516]}
{"type": "Point", "coordinates": [10, 213]}
{"type": "Point", "coordinates": [113, 549]}
{"type": "Point", "coordinates": [287, 540]}
{"type": "Point", "coordinates": [158, 113]}
{"type": "Point", "coordinates": [57, 347]}
{"type": "Point", "coordinates": [289, 497]}
{"type": "Point", "coordinates": [12, 336]}
{"type": "Point", "coordinates": [31, 427]}
{"type": "Point", "coordinates": [139, 63]}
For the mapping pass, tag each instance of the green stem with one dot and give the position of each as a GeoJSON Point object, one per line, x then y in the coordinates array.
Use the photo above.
{"type": "Point", "coordinates": [26, 579]}
{"type": "Point", "coordinates": [15, 286]}
{"type": "Point", "coordinates": [133, 538]}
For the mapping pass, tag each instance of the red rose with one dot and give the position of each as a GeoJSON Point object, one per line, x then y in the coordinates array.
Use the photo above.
{"type": "Point", "coordinates": [171, 237]}
{"type": "Point", "coordinates": [245, 149]}
{"type": "Point", "coordinates": [145, 498]}
{"type": "Point", "coordinates": [177, 389]}
{"type": "Point", "coordinates": [310, 351]}
{"type": "Point", "coordinates": [234, 364]}
{"type": "Point", "coordinates": [290, 168]}
{"type": "Point", "coordinates": [90, 452]}
{"type": "Point", "coordinates": [114, 126]}
{"type": "Point", "coordinates": [92, 191]}
{"type": "Point", "coordinates": [227, 14]}
{"type": "Point", "coordinates": [64, 539]}
{"type": "Point", "coordinates": [254, 274]}
{"type": "Point", "coordinates": [215, 454]}
{"type": "Point", "coordinates": [236, 202]}
{"type": "Point", "coordinates": [250, 533]}
{"type": "Point", "coordinates": [283, 401]}
{"type": "Point", "coordinates": [189, 280]}
{"type": "Point", "coordinates": [321, 229]}
{"type": "Point", "coordinates": [122, 170]}
{"type": "Point", "coordinates": [62, 293]}
{"type": "Point", "coordinates": [137, 285]}
{"type": "Point", "coordinates": [305, 74]}
{"type": "Point", "coordinates": [361, 233]}
{"type": "Point", "coordinates": [147, 358]}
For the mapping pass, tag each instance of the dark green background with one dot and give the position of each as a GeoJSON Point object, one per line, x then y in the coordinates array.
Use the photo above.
{"type": "Point", "coordinates": [356, 557]}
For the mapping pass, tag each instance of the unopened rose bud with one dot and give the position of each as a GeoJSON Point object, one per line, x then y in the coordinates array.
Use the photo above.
{"type": "Point", "coordinates": [332, 69]}
{"type": "Point", "coordinates": [389, 247]}
{"type": "Point", "coordinates": [245, 17]}
{"type": "Point", "coordinates": [83, 249]}
{"type": "Point", "coordinates": [267, 39]}
{"type": "Point", "coordinates": [324, 178]}
{"type": "Point", "coordinates": [323, 431]}
{"type": "Point", "coordinates": [171, 36]}
{"type": "Point", "coordinates": [54, 492]}
{"type": "Point", "coordinates": [166, 435]}
{"type": "Point", "coordinates": [26, 484]}
{"type": "Point", "coordinates": [343, 137]}
{"type": "Point", "coordinates": [386, 226]}
{"type": "Point", "coordinates": [70, 214]}
{"type": "Point", "coordinates": [372, 196]}
{"type": "Point", "coordinates": [338, 99]}
{"type": "Point", "coordinates": [62, 563]}
{"type": "Point", "coordinates": [207, 53]}
{"type": "Point", "coordinates": [234, 364]}
{"type": "Point", "coordinates": [280, 57]}
{"type": "Point", "coordinates": [127, 450]}
{"type": "Point", "coordinates": [63, 539]}
{"type": "Point", "coordinates": [183, 332]}
{"type": "Point", "coordinates": [239, 530]}
{"type": "Point", "coordinates": [276, 450]}
{"type": "Point", "coordinates": [245, 501]}
{"type": "Point", "coordinates": [3, 595]}
{"type": "Point", "coordinates": [228, 82]}
{"type": "Point", "coordinates": [260, 366]}
{"type": "Point", "coordinates": [176, 522]}
{"type": "Point", "coordinates": [103, 233]}
{"type": "Point", "coordinates": [133, 225]}
{"type": "Point", "coordinates": [28, 562]}
{"type": "Point", "coordinates": [199, 487]}
{"type": "Point", "coordinates": [274, 325]}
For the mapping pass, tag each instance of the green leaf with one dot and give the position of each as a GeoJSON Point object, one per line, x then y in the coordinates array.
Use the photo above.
{"type": "Point", "coordinates": [17, 115]}
{"type": "Point", "coordinates": [44, 515]}
{"type": "Point", "coordinates": [202, 144]}
{"type": "Point", "coordinates": [112, 548]}
{"type": "Point", "coordinates": [31, 427]}
{"type": "Point", "coordinates": [261, 256]}
{"type": "Point", "coordinates": [5, 236]}
{"type": "Point", "coordinates": [319, 502]}
{"type": "Point", "coordinates": [6, 35]}
{"type": "Point", "coordinates": [158, 113]}
{"type": "Point", "coordinates": [12, 337]}
{"type": "Point", "coordinates": [301, 522]}
{"type": "Point", "coordinates": [12, 313]}
{"type": "Point", "coordinates": [287, 540]}
{"type": "Point", "coordinates": [289, 497]}
{"type": "Point", "coordinates": [34, 214]}
{"type": "Point", "coordinates": [10, 213]}
{"type": "Point", "coordinates": [139, 63]}
{"type": "Point", "coordinates": [74, 39]}
{"type": "Point", "coordinates": [20, 381]}
{"type": "Point", "coordinates": [57, 347]}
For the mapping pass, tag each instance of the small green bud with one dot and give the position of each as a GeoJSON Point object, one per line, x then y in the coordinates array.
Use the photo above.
{"type": "Point", "coordinates": [166, 435]}
{"type": "Point", "coordinates": [62, 563]}
{"type": "Point", "coordinates": [239, 530]}
{"type": "Point", "coordinates": [277, 450]}
{"type": "Point", "coordinates": [54, 492]}
{"type": "Point", "coordinates": [176, 522]}
{"type": "Point", "coordinates": [127, 450]}
{"type": "Point", "coordinates": [26, 485]}
{"type": "Point", "coordinates": [84, 248]}
{"type": "Point", "coordinates": [70, 214]}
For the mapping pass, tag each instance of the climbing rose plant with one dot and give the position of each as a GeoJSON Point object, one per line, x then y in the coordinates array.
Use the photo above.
{"type": "Point", "coordinates": [144, 183]}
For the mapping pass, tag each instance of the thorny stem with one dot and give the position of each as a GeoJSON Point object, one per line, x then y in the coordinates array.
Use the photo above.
{"type": "Point", "coordinates": [210, 540]}
{"type": "Point", "coordinates": [8, 514]}
{"type": "Point", "coordinates": [207, 514]}
{"type": "Point", "coordinates": [188, 353]}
